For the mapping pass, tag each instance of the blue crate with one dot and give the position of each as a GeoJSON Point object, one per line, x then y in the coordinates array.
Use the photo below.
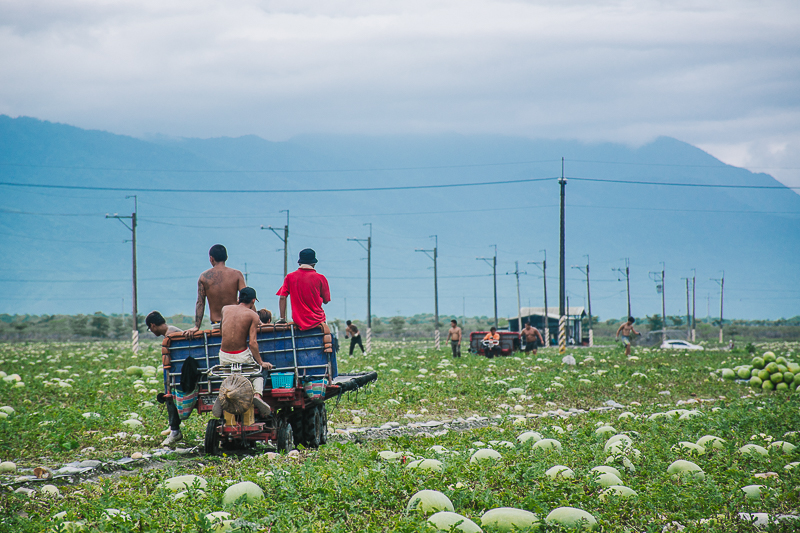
{"type": "Point", "coordinates": [282, 380]}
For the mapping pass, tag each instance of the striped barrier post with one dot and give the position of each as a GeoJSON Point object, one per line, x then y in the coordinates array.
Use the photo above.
{"type": "Point", "coordinates": [546, 337]}
{"type": "Point", "coordinates": [436, 339]}
{"type": "Point", "coordinates": [562, 334]}
{"type": "Point", "coordinates": [369, 340]}
{"type": "Point", "coordinates": [135, 342]}
{"type": "Point", "coordinates": [591, 338]}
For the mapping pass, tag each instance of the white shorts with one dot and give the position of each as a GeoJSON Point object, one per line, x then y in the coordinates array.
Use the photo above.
{"type": "Point", "coordinates": [244, 358]}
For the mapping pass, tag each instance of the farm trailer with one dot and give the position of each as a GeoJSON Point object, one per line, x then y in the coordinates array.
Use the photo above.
{"type": "Point", "coordinates": [305, 362]}
{"type": "Point", "coordinates": [509, 342]}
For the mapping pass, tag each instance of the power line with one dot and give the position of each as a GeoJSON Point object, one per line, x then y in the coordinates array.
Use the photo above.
{"type": "Point", "coordinates": [673, 184]}
{"type": "Point", "coordinates": [280, 171]}
{"type": "Point", "coordinates": [271, 191]}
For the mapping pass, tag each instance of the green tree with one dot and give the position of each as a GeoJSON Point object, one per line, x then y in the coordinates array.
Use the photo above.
{"type": "Point", "coordinates": [655, 323]}
{"type": "Point", "coordinates": [397, 323]}
{"type": "Point", "coordinates": [99, 325]}
{"type": "Point", "coordinates": [79, 325]}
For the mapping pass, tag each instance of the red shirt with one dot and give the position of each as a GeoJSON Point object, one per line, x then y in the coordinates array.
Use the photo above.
{"type": "Point", "coordinates": [308, 290]}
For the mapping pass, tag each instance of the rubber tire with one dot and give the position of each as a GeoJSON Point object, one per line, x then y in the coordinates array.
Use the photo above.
{"type": "Point", "coordinates": [212, 444]}
{"type": "Point", "coordinates": [323, 437]}
{"type": "Point", "coordinates": [312, 427]}
{"type": "Point", "coordinates": [296, 420]}
{"type": "Point", "coordinates": [285, 435]}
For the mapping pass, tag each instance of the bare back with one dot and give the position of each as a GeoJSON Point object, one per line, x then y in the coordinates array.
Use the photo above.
{"type": "Point", "coordinates": [220, 285]}
{"type": "Point", "coordinates": [238, 322]}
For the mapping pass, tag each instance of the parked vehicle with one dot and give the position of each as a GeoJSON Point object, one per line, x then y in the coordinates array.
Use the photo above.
{"type": "Point", "coordinates": [679, 345]}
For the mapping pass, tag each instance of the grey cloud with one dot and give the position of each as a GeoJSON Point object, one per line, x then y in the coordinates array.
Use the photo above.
{"type": "Point", "coordinates": [704, 71]}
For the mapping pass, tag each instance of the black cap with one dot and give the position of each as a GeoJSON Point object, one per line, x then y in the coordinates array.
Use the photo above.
{"type": "Point", "coordinates": [248, 293]}
{"type": "Point", "coordinates": [307, 257]}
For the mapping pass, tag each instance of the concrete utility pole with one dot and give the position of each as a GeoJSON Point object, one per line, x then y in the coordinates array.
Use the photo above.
{"type": "Point", "coordinates": [562, 273]}
{"type": "Point", "coordinates": [658, 277]}
{"type": "Point", "coordinates": [368, 248]}
{"type": "Point", "coordinates": [493, 264]}
{"type": "Point", "coordinates": [284, 239]}
{"type": "Point", "coordinates": [588, 298]}
{"type": "Point", "coordinates": [688, 314]}
{"type": "Point", "coordinates": [721, 282]}
{"type": "Point", "coordinates": [132, 227]}
{"type": "Point", "coordinates": [519, 301]}
{"type": "Point", "coordinates": [694, 305]}
{"type": "Point", "coordinates": [627, 273]}
{"type": "Point", "coordinates": [543, 265]}
{"type": "Point", "coordinates": [435, 255]}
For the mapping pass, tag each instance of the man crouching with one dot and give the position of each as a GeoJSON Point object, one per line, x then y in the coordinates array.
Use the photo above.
{"type": "Point", "coordinates": [238, 323]}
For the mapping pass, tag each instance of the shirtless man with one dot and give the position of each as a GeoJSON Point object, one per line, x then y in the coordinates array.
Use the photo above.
{"type": "Point", "coordinates": [532, 338]}
{"type": "Point", "coordinates": [626, 329]}
{"type": "Point", "coordinates": [239, 344]}
{"type": "Point", "coordinates": [219, 284]}
{"type": "Point", "coordinates": [454, 336]}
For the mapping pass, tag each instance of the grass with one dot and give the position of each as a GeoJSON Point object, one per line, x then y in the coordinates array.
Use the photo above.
{"type": "Point", "coordinates": [347, 487]}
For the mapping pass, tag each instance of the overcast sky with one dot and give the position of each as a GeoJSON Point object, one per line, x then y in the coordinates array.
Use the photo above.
{"type": "Point", "coordinates": [723, 75]}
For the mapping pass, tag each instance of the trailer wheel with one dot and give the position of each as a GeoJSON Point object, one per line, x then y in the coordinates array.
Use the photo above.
{"type": "Point", "coordinates": [285, 437]}
{"type": "Point", "coordinates": [213, 443]}
{"type": "Point", "coordinates": [312, 427]}
{"type": "Point", "coordinates": [323, 435]}
{"type": "Point", "coordinates": [297, 422]}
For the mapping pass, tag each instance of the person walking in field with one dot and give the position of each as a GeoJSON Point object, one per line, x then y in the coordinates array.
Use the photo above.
{"type": "Point", "coordinates": [219, 284]}
{"type": "Point", "coordinates": [239, 344]}
{"type": "Point", "coordinates": [533, 339]}
{"type": "Point", "coordinates": [454, 336]}
{"type": "Point", "coordinates": [308, 290]}
{"type": "Point", "coordinates": [626, 329]}
{"type": "Point", "coordinates": [355, 337]}
{"type": "Point", "coordinates": [158, 326]}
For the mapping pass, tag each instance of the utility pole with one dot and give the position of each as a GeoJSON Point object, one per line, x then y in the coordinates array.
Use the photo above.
{"type": "Point", "coordinates": [658, 277]}
{"type": "Point", "coordinates": [284, 239]}
{"type": "Point", "coordinates": [493, 264]}
{"type": "Point", "coordinates": [368, 248]}
{"type": "Point", "coordinates": [435, 256]}
{"type": "Point", "coordinates": [627, 274]}
{"type": "Point", "coordinates": [721, 282]}
{"type": "Point", "coordinates": [543, 265]}
{"type": "Point", "coordinates": [562, 289]}
{"type": "Point", "coordinates": [519, 301]}
{"type": "Point", "coordinates": [688, 313]}
{"type": "Point", "coordinates": [694, 305]}
{"type": "Point", "coordinates": [588, 299]}
{"type": "Point", "coordinates": [132, 227]}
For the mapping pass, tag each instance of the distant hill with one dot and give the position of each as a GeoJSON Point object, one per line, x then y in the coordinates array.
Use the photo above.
{"type": "Point", "coordinates": [63, 263]}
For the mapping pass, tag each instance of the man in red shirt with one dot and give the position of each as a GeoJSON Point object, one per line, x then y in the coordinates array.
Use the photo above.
{"type": "Point", "coordinates": [308, 289]}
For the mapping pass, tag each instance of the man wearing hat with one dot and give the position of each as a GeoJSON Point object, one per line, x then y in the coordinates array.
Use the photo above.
{"type": "Point", "coordinates": [308, 290]}
{"type": "Point", "coordinates": [240, 325]}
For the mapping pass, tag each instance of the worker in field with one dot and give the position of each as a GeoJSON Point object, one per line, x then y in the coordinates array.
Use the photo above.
{"type": "Point", "coordinates": [239, 326]}
{"type": "Point", "coordinates": [533, 339]}
{"type": "Point", "coordinates": [454, 336]}
{"type": "Point", "coordinates": [355, 337]}
{"type": "Point", "coordinates": [308, 290]}
{"type": "Point", "coordinates": [158, 326]}
{"type": "Point", "coordinates": [219, 284]}
{"type": "Point", "coordinates": [492, 342]}
{"type": "Point", "coordinates": [627, 331]}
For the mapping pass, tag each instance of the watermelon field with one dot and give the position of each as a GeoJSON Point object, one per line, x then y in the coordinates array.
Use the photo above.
{"type": "Point", "coordinates": [659, 441]}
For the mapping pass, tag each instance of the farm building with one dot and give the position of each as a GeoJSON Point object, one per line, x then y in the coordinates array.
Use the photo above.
{"type": "Point", "coordinates": [536, 316]}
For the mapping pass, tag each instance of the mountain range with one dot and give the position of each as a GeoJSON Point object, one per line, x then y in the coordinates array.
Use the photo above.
{"type": "Point", "coordinates": [665, 201]}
